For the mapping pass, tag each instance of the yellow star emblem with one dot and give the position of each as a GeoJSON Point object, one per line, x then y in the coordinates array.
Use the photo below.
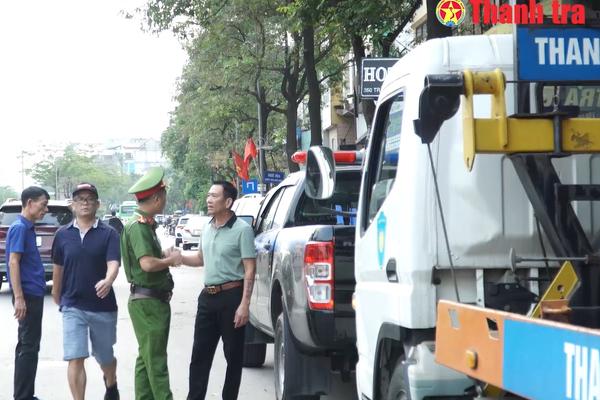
{"type": "Point", "coordinates": [450, 14]}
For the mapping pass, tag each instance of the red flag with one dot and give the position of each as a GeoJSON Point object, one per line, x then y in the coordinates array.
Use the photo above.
{"type": "Point", "coordinates": [241, 167]}
{"type": "Point", "coordinates": [249, 150]}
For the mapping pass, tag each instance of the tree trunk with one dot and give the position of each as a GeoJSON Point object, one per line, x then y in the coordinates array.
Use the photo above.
{"type": "Point", "coordinates": [262, 127]}
{"type": "Point", "coordinates": [435, 29]}
{"type": "Point", "coordinates": [314, 88]}
{"type": "Point", "coordinates": [291, 144]}
{"type": "Point", "coordinates": [368, 106]}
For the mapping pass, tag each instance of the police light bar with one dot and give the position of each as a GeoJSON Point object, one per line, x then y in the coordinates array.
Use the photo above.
{"type": "Point", "coordinates": [340, 157]}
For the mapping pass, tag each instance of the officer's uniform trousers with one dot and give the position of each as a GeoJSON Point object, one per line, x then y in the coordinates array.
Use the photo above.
{"type": "Point", "coordinates": [151, 319]}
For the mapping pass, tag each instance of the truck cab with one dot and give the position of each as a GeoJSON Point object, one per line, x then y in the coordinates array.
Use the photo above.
{"type": "Point", "coordinates": [430, 229]}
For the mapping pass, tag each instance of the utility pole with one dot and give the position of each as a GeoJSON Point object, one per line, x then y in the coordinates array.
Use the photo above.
{"type": "Point", "coordinates": [262, 134]}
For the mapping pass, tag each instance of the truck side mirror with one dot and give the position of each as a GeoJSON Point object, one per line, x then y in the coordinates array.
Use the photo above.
{"type": "Point", "coordinates": [320, 173]}
{"type": "Point", "coordinates": [439, 101]}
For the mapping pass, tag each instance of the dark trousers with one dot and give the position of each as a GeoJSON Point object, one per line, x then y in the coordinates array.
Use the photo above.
{"type": "Point", "coordinates": [28, 346]}
{"type": "Point", "coordinates": [214, 320]}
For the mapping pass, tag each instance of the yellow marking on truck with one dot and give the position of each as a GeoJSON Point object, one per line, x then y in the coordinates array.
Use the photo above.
{"type": "Point", "coordinates": [564, 283]}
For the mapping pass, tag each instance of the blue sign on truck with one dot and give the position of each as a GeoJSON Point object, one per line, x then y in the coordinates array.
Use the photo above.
{"type": "Point", "coordinates": [545, 361]}
{"type": "Point", "coordinates": [558, 54]}
{"type": "Point", "coordinates": [273, 177]}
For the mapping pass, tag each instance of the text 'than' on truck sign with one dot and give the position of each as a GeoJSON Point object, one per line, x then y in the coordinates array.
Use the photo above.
{"type": "Point", "coordinates": [558, 54]}
{"type": "Point", "coordinates": [373, 72]}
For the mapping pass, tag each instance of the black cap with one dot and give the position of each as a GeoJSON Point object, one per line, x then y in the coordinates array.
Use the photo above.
{"type": "Point", "coordinates": [85, 186]}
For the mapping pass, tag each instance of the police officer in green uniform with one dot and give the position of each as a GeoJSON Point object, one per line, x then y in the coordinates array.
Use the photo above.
{"type": "Point", "coordinates": [146, 266]}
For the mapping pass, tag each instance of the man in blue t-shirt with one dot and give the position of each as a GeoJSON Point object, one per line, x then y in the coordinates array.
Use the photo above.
{"type": "Point", "coordinates": [86, 259]}
{"type": "Point", "coordinates": [26, 279]}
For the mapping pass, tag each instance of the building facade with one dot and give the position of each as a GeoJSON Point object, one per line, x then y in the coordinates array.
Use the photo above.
{"type": "Point", "coordinates": [133, 156]}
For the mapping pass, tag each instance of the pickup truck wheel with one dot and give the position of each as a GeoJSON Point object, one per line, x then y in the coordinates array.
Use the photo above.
{"type": "Point", "coordinates": [254, 354]}
{"type": "Point", "coordinates": [177, 242]}
{"type": "Point", "coordinates": [284, 359]}
{"type": "Point", "coordinates": [398, 390]}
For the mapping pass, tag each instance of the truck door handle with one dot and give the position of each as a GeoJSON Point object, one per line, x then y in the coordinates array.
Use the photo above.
{"type": "Point", "coordinates": [267, 246]}
{"type": "Point", "coordinates": [390, 270]}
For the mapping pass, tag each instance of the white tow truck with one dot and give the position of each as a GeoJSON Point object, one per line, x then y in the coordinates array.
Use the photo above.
{"type": "Point", "coordinates": [431, 229]}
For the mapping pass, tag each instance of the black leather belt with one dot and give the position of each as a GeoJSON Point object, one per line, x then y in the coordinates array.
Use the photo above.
{"type": "Point", "coordinates": [214, 289]}
{"type": "Point", "coordinates": [162, 295]}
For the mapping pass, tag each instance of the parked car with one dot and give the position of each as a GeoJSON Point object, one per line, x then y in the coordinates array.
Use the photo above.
{"type": "Point", "coordinates": [248, 205]}
{"type": "Point", "coordinates": [304, 284]}
{"type": "Point", "coordinates": [192, 231]}
{"type": "Point", "coordinates": [179, 229]}
{"type": "Point", "coordinates": [58, 214]}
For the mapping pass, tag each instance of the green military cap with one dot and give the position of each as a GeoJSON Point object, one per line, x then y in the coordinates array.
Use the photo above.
{"type": "Point", "coordinates": [150, 183]}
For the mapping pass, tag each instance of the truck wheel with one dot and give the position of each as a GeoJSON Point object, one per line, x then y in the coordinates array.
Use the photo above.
{"type": "Point", "coordinates": [254, 354]}
{"type": "Point", "coordinates": [185, 246]}
{"type": "Point", "coordinates": [284, 360]}
{"type": "Point", "coordinates": [177, 242]}
{"type": "Point", "coordinates": [398, 389]}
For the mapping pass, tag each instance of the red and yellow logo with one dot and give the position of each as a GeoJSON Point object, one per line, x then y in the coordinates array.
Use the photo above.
{"type": "Point", "coordinates": [450, 12]}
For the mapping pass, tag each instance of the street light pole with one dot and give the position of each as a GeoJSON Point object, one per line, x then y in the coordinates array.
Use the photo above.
{"type": "Point", "coordinates": [22, 170]}
{"type": "Point", "coordinates": [22, 156]}
{"type": "Point", "coordinates": [22, 173]}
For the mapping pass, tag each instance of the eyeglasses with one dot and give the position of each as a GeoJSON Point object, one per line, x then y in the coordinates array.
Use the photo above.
{"type": "Point", "coordinates": [87, 200]}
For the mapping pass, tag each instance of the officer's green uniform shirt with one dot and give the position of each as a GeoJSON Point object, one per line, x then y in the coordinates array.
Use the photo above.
{"type": "Point", "coordinates": [224, 248]}
{"type": "Point", "coordinates": [150, 317]}
{"type": "Point", "coordinates": [139, 239]}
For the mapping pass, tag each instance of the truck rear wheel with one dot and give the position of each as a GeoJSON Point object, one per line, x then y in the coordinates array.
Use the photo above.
{"type": "Point", "coordinates": [284, 359]}
{"type": "Point", "coordinates": [254, 354]}
{"type": "Point", "coordinates": [398, 389]}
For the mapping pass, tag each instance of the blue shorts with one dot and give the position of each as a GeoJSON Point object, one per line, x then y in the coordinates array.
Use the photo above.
{"type": "Point", "coordinates": [99, 327]}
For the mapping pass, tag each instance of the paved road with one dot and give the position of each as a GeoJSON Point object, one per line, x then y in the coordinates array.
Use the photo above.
{"type": "Point", "coordinates": [257, 384]}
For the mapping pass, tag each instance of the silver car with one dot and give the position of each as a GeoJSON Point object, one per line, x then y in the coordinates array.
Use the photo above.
{"type": "Point", "coordinates": [179, 229]}
{"type": "Point", "coordinates": [192, 231]}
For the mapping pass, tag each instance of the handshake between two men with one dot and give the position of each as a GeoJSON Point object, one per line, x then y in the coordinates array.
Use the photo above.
{"type": "Point", "coordinates": [173, 256]}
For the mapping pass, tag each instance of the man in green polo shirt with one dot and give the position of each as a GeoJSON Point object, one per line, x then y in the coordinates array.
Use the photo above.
{"type": "Point", "coordinates": [147, 269]}
{"type": "Point", "coordinates": [228, 255]}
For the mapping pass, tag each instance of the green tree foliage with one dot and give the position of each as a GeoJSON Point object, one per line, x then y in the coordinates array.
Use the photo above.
{"type": "Point", "coordinates": [60, 174]}
{"type": "Point", "coordinates": [177, 199]}
{"type": "Point", "coordinates": [271, 52]}
{"type": "Point", "coordinates": [366, 24]}
{"type": "Point", "coordinates": [240, 47]}
{"type": "Point", "coordinates": [7, 192]}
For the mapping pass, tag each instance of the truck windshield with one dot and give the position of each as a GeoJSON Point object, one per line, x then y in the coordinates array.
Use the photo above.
{"type": "Point", "coordinates": [344, 199]}
{"type": "Point", "coordinates": [585, 99]}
